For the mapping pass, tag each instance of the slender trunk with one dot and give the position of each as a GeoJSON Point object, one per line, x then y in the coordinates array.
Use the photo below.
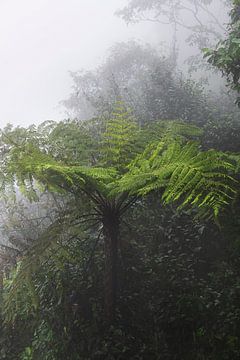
{"type": "Point", "coordinates": [1, 279]}
{"type": "Point", "coordinates": [111, 233]}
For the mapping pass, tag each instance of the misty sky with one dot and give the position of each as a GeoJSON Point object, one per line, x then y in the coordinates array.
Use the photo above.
{"type": "Point", "coordinates": [42, 40]}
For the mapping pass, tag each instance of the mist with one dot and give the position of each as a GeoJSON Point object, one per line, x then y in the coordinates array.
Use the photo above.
{"type": "Point", "coordinates": [42, 41]}
{"type": "Point", "coordinates": [119, 180]}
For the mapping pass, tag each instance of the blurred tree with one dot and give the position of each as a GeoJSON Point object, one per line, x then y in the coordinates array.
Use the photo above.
{"type": "Point", "coordinates": [144, 81]}
{"type": "Point", "coordinates": [197, 17]}
{"type": "Point", "coordinates": [226, 55]}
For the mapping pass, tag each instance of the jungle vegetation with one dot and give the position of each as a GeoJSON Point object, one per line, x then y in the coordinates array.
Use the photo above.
{"type": "Point", "coordinates": [121, 223]}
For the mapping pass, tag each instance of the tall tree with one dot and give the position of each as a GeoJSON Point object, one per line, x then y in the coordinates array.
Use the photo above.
{"type": "Point", "coordinates": [197, 17]}
{"type": "Point", "coordinates": [226, 55]}
{"type": "Point", "coordinates": [131, 163]}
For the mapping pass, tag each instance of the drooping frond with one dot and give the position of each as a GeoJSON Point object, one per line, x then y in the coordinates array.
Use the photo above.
{"type": "Point", "coordinates": [32, 164]}
{"type": "Point", "coordinates": [184, 174]}
{"type": "Point", "coordinates": [22, 285]}
{"type": "Point", "coordinates": [51, 245]}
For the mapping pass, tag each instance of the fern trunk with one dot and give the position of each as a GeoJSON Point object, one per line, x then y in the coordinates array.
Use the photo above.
{"type": "Point", "coordinates": [111, 236]}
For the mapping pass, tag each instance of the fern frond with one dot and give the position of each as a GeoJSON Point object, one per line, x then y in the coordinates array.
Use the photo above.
{"type": "Point", "coordinates": [22, 287]}
{"type": "Point", "coordinates": [185, 174]}
{"type": "Point", "coordinates": [28, 166]}
{"type": "Point", "coordinates": [118, 138]}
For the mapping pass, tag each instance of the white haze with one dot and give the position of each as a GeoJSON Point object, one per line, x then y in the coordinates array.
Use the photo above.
{"type": "Point", "coordinates": [41, 41]}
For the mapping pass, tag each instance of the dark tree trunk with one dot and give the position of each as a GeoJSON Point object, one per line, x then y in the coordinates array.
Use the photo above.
{"type": "Point", "coordinates": [111, 234]}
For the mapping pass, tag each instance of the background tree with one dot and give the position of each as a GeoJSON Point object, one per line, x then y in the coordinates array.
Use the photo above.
{"type": "Point", "coordinates": [197, 18]}
{"type": "Point", "coordinates": [226, 55]}
{"type": "Point", "coordinates": [141, 78]}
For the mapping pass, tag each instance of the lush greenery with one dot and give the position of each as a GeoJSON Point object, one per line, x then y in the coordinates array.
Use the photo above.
{"type": "Point", "coordinates": [226, 55]}
{"type": "Point", "coordinates": [108, 258]}
{"type": "Point", "coordinates": [121, 231]}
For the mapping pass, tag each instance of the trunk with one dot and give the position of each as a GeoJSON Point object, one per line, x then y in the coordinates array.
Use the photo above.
{"type": "Point", "coordinates": [111, 232]}
{"type": "Point", "coordinates": [1, 279]}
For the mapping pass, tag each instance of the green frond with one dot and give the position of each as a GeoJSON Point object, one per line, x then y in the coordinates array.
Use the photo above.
{"type": "Point", "coordinates": [185, 175]}
{"type": "Point", "coordinates": [118, 139]}
{"type": "Point", "coordinates": [22, 288]}
{"type": "Point", "coordinates": [182, 172]}
{"type": "Point", "coordinates": [29, 166]}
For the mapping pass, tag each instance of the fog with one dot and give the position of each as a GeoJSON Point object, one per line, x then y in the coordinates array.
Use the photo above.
{"type": "Point", "coordinates": [120, 218]}
{"type": "Point", "coordinates": [41, 41]}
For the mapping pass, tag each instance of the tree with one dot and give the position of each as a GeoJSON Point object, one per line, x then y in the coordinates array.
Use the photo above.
{"type": "Point", "coordinates": [226, 55]}
{"type": "Point", "coordinates": [196, 17]}
{"type": "Point", "coordinates": [144, 80]}
{"type": "Point", "coordinates": [131, 163]}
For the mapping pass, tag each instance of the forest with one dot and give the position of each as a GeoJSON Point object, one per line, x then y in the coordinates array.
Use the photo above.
{"type": "Point", "coordinates": [120, 225]}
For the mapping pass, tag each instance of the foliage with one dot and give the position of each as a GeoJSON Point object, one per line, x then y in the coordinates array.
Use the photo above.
{"type": "Point", "coordinates": [57, 291]}
{"type": "Point", "coordinates": [144, 80]}
{"type": "Point", "coordinates": [226, 55]}
{"type": "Point", "coordinates": [201, 25]}
{"type": "Point", "coordinates": [157, 167]}
{"type": "Point", "coordinates": [108, 247]}
{"type": "Point", "coordinates": [222, 134]}
{"type": "Point", "coordinates": [172, 300]}
{"type": "Point", "coordinates": [184, 173]}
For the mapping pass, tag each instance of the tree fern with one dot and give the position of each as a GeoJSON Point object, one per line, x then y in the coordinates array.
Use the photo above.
{"type": "Point", "coordinates": [125, 171]}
